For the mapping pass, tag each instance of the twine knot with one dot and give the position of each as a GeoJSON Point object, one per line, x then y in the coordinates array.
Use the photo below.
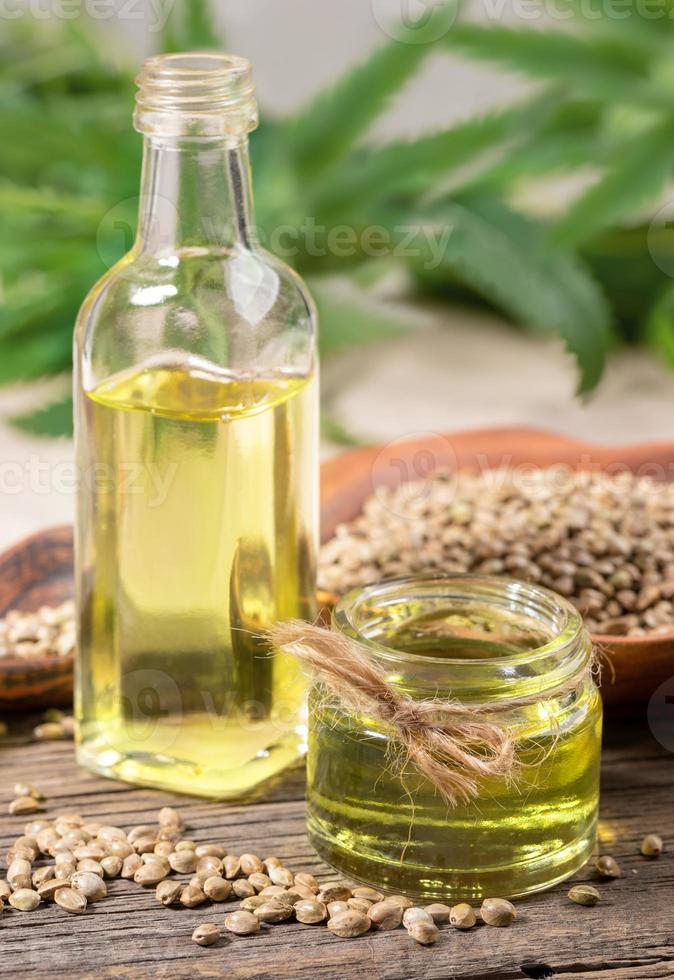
{"type": "Point", "coordinates": [452, 744]}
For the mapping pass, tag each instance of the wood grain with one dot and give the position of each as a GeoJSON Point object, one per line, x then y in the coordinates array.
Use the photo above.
{"type": "Point", "coordinates": [628, 936]}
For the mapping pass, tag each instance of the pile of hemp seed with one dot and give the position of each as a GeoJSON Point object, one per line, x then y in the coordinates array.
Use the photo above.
{"type": "Point", "coordinates": [50, 631]}
{"type": "Point", "coordinates": [86, 854]}
{"type": "Point", "coordinates": [604, 541]}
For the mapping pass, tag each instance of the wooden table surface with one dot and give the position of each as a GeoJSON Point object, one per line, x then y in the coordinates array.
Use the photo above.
{"type": "Point", "coordinates": [628, 936]}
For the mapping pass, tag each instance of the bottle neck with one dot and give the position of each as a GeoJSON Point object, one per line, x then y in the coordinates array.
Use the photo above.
{"type": "Point", "coordinates": [194, 194]}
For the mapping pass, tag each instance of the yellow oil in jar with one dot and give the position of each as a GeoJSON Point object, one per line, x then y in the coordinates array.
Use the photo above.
{"type": "Point", "coordinates": [197, 529]}
{"type": "Point", "coordinates": [396, 832]}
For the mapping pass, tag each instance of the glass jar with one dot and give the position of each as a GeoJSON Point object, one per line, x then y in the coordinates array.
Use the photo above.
{"type": "Point", "coordinates": [479, 640]}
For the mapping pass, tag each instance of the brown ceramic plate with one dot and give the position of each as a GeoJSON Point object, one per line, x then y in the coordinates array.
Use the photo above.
{"type": "Point", "coordinates": [641, 664]}
{"type": "Point", "coordinates": [37, 572]}
{"type": "Point", "coordinates": [39, 569]}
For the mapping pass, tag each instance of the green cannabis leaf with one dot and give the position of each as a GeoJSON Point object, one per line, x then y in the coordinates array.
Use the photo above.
{"type": "Point", "coordinates": [601, 110]}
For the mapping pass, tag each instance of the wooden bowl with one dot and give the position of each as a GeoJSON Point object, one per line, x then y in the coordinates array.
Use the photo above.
{"type": "Point", "coordinates": [37, 571]}
{"type": "Point", "coordinates": [641, 664]}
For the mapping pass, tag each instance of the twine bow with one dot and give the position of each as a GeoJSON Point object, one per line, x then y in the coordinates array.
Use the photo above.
{"type": "Point", "coordinates": [451, 744]}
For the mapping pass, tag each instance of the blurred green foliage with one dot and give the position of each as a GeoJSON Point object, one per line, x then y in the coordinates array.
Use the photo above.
{"type": "Point", "coordinates": [603, 99]}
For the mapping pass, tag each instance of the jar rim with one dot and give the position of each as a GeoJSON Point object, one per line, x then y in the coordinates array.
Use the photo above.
{"type": "Point", "coordinates": [567, 633]}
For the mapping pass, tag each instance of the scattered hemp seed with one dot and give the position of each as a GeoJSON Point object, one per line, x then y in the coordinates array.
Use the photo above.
{"type": "Point", "coordinates": [273, 911]}
{"type": "Point", "coordinates": [349, 924]}
{"type": "Point", "coordinates": [24, 899]}
{"type": "Point", "coordinates": [250, 864]}
{"type": "Point", "coordinates": [90, 885]}
{"type": "Point", "coordinates": [607, 867]}
{"type": "Point", "coordinates": [584, 895]}
{"type": "Point", "coordinates": [70, 900]}
{"type": "Point", "coordinates": [24, 805]}
{"type": "Point", "coordinates": [168, 892]}
{"type": "Point", "coordinates": [252, 903]}
{"type": "Point", "coordinates": [49, 731]}
{"type": "Point", "coordinates": [423, 932]}
{"type": "Point", "coordinates": [401, 900]}
{"type": "Point", "coordinates": [26, 789]}
{"type": "Point", "coordinates": [461, 916]}
{"type": "Point", "coordinates": [206, 934]}
{"type": "Point", "coordinates": [359, 904]}
{"type": "Point", "coordinates": [242, 923]}
{"type": "Point", "coordinates": [242, 888]}
{"type": "Point", "coordinates": [416, 914]}
{"type": "Point", "coordinates": [48, 632]}
{"type": "Point", "coordinates": [308, 881]}
{"type": "Point", "coordinates": [168, 817]}
{"type": "Point", "coordinates": [217, 889]}
{"type": "Point", "coordinates": [232, 866]}
{"type": "Point", "coordinates": [310, 911]}
{"type": "Point", "coordinates": [498, 912]}
{"type": "Point", "coordinates": [47, 890]}
{"type": "Point", "coordinates": [651, 846]}
{"type": "Point", "coordinates": [334, 893]}
{"type": "Point", "coordinates": [385, 915]}
{"type": "Point", "coordinates": [191, 896]}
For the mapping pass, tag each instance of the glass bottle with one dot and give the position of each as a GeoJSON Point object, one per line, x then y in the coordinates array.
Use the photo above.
{"type": "Point", "coordinates": [196, 434]}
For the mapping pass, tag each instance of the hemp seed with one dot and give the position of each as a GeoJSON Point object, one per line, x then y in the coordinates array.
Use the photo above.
{"type": "Point", "coordinates": [651, 846]}
{"type": "Point", "coordinates": [462, 916]}
{"type": "Point", "coordinates": [206, 934]}
{"type": "Point", "coordinates": [333, 893]}
{"type": "Point", "coordinates": [607, 867]}
{"type": "Point", "coordinates": [273, 912]}
{"type": "Point", "coordinates": [217, 889]}
{"type": "Point", "coordinates": [168, 892]}
{"type": "Point", "coordinates": [70, 900]}
{"type": "Point", "coordinates": [251, 864]}
{"type": "Point", "coordinates": [242, 923]}
{"type": "Point", "coordinates": [23, 805]}
{"type": "Point", "coordinates": [191, 896]}
{"type": "Point", "coordinates": [24, 899]}
{"type": "Point", "coordinates": [584, 895]}
{"type": "Point", "coordinates": [423, 932]}
{"type": "Point", "coordinates": [498, 912]}
{"type": "Point", "coordinates": [90, 885]}
{"type": "Point", "coordinates": [385, 915]}
{"type": "Point", "coordinates": [416, 914]}
{"type": "Point", "coordinates": [349, 924]}
{"type": "Point", "coordinates": [310, 911]}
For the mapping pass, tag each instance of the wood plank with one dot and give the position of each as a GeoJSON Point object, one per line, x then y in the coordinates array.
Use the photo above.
{"type": "Point", "coordinates": [629, 936]}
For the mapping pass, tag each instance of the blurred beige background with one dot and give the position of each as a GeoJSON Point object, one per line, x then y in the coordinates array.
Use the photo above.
{"type": "Point", "coordinates": [453, 370]}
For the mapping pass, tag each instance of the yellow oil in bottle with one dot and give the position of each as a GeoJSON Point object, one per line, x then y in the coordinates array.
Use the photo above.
{"type": "Point", "coordinates": [519, 836]}
{"type": "Point", "coordinates": [197, 529]}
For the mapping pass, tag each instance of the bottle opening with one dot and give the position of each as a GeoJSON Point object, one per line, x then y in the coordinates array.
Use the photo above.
{"type": "Point", "coordinates": [199, 93]}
